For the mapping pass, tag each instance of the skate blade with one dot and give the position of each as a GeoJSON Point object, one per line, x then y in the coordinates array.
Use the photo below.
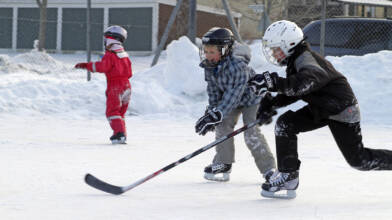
{"type": "Point", "coordinates": [283, 194]}
{"type": "Point", "coordinates": [216, 177]}
{"type": "Point", "coordinates": [119, 142]}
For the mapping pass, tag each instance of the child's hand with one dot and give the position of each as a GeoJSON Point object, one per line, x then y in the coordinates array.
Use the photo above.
{"type": "Point", "coordinates": [81, 66]}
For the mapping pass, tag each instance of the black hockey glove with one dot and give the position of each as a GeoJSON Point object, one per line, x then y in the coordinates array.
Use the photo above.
{"type": "Point", "coordinates": [265, 80]}
{"type": "Point", "coordinates": [257, 84]}
{"type": "Point", "coordinates": [266, 109]}
{"type": "Point", "coordinates": [270, 80]}
{"type": "Point", "coordinates": [208, 121]}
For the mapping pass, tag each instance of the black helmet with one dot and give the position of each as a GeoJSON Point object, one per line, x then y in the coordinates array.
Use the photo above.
{"type": "Point", "coordinates": [221, 37]}
{"type": "Point", "coordinates": [218, 36]}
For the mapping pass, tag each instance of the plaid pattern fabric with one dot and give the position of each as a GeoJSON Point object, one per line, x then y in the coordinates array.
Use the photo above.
{"type": "Point", "coordinates": [227, 85]}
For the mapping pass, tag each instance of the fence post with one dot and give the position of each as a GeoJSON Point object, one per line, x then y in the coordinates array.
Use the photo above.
{"type": "Point", "coordinates": [14, 28]}
{"type": "Point", "coordinates": [192, 20]}
{"type": "Point", "coordinates": [322, 30]}
{"type": "Point", "coordinates": [88, 47]}
{"type": "Point", "coordinates": [286, 9]}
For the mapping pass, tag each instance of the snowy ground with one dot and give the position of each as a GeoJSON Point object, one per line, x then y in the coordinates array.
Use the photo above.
{"type": "Point", "coordinates": [54, 132]}
{"type": "Point", "coordinates": [43, 169]}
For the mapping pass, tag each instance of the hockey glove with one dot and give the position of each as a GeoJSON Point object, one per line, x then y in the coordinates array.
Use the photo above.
{"type": "Point", "coordinates": [81, 66]}
{"type": "Point", "coordinates": [208, 121]}
{"type": "Point", "coordinates": [257, 84]}
{"type": "Point", "coordinates": [266, 109]}
{"type": "Point", "coordinates": [271, 80]}
{"type": "Point", "coordinates": [267, 80]}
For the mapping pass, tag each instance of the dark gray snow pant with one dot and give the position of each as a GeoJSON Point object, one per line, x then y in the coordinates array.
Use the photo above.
{"type": "Point", "coordinates": [347, 136]}
{"type": "Point", "coordinates": [254, 140]}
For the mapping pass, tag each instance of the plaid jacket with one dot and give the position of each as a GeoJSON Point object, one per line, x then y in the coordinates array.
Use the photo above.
{"type": "Point", "coordinates": [227, 84]}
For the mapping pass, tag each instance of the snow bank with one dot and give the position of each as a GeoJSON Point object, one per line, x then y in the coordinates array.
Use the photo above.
{"type": "Point", "coordinates": [370, 76]}
{"type": "Point", "coordinates": [176, 86]}
{"type": "Point", "coordinates": [182, 73]}
{"type": "Point", "coordinates": [37, 83]}
{"type": "Point", "coordinates": [31, 62]}
{"type": "Point", "coordinates": [371, 79]}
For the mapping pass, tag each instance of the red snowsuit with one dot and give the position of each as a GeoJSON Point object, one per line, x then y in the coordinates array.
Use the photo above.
{"type": "Point", "coordinates": [117, 67]}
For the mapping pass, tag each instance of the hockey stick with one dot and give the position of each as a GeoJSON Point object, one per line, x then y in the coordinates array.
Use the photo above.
{"type": "Point", "coordinates": [117, 190]}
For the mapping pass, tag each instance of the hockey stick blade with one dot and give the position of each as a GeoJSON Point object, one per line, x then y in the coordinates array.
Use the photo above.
{"type": "Point", "coordinates": [101, 185]}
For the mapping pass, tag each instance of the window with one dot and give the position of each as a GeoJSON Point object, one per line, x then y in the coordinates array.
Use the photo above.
{"type": "Point", "coordinates": [28, 28]}
{"type": "Point", "coordinates": [138, 23]}
{"type": "Point", "coordinates": [6, 28]}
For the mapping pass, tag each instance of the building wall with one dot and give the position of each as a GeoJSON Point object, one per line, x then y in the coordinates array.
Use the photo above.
{"type": "Point", "coordinates": [367, 11]}
{"type": "Point", "coordinates": [145, 21]}
{"type": "Point", "coordinates": [205, 21]}
{"type": "Point", "coordinates": [67, 28]}
{"type": "Point", "coordinates": [250, 19]}
{"type": "Point", "coordinates": [208, 20]}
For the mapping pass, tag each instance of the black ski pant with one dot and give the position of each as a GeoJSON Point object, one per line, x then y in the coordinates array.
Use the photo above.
{"type": "Point", "coordinates": [347, 136]}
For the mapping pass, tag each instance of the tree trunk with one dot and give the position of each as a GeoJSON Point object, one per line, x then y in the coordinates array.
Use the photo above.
{"type": "Point", "coordinates": [182, 19]}
{"type": "Point", "coordinates": [42, 23]}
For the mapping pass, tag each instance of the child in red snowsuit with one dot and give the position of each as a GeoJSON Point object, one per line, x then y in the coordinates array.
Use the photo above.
{"type": "Point", "coordinates": [117, 68]}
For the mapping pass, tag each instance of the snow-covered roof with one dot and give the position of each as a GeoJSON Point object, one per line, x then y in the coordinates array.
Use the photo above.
{"type": "Point", "coordinates": [384, 3]}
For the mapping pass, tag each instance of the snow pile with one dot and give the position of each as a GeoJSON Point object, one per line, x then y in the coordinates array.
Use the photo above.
{"type": "Point", "coordinates": [182, 73]}
{"type": "Point", "coordinates": [371, 79]}
{"type": "Point", "coordinates": [24, 94]}
{"type": "Point", "coordinates": [37, 83]}
{"type": "Point", "coordinates": [32, 62]}
{"type": "Point", "coordinates": [258, 60]}
{"type": "Point", "coordinates": [40, 84]}
{"type": "Point", "coordinates": [175, 86]}
{"type": "Point", "coordinates": [370, 76]}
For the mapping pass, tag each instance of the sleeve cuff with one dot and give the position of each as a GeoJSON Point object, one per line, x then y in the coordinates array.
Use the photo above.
{"type": "Point", "coordinates": [91, 67]}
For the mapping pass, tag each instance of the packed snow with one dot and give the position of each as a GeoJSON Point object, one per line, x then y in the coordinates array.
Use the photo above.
{"type": "Point", "coordinates": [54, 131]}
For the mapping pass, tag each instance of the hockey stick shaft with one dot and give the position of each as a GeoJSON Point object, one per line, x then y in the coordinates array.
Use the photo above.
{"type": "Point", "coordinates": [189, 156]}
{"type": "Point", "coordinates": [99, 184]}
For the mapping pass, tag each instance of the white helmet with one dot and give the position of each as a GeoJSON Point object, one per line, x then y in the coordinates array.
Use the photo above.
{"type": "Point", "coordinates": [284, 35]}
{"type": "Point", "coordinates": [116, 32]}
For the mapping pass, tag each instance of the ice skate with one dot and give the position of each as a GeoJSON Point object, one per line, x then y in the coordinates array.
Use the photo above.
{"type": "Point", "coordinates": [217, 172]}
{"type": "Point", "coordinates": [281, 185]}
{"type": "Point", "coordinates": [118, 138]}
{"type": "Point", "coordinates": [267, 175]}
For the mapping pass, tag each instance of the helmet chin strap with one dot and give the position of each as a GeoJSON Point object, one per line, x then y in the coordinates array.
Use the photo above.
{"type": "Point", "coordinates": [210, 64]}
{"type": "Point", "coordinates": [110, 41]}
{"type": "Point", "coordinates": [223, 50]}
{"type": "Point", "coordinates": [284, 61]}
{"type": "Point", "coordinates": [291, 51]}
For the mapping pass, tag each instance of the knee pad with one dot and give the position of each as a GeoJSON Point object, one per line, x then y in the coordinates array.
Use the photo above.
{"type": "Point", "coordinates": [283, 126]}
